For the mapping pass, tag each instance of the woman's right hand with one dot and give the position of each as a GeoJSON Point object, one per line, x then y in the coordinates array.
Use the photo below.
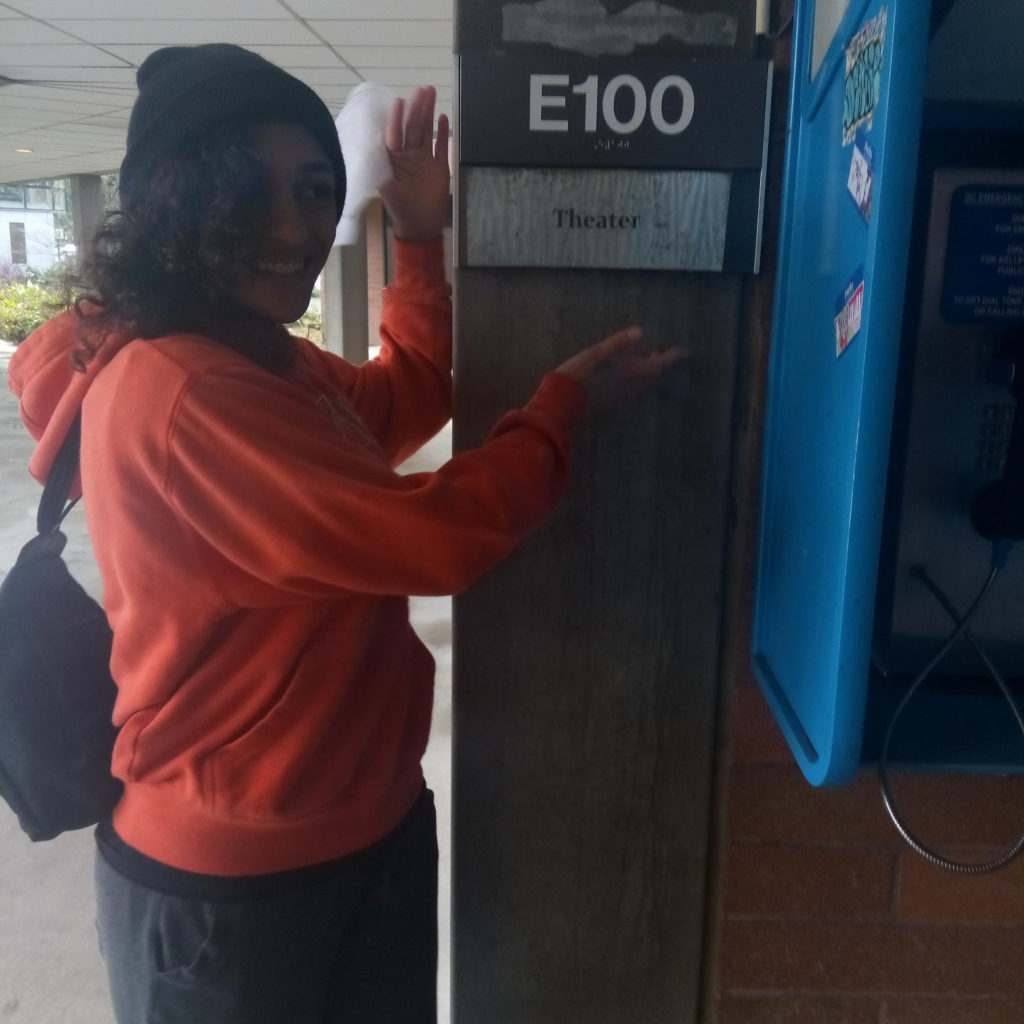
{"type": "Point", "coordinates": [613, 372]}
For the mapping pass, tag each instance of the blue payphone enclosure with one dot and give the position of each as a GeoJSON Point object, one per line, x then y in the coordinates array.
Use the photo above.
{"type": "Point", "coordinates": [847, 204]}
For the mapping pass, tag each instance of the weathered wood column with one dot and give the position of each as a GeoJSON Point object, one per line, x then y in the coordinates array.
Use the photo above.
{"type": "Point", "coordinates": [586, 666]}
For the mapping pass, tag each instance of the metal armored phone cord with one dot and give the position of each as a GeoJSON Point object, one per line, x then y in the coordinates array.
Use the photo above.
{"type": "Point", "coordinates": [1000, 554]}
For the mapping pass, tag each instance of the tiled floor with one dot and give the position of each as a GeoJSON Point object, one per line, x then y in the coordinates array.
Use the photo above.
{"type": "Point", "coordinates": [50, 970]}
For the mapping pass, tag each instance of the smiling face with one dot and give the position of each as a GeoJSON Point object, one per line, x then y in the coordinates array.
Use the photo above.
{"type": "Point", "coordinates": [298, 230]}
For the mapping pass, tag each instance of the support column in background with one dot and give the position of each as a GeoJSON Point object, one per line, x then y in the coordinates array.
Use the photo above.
{"type": "Point", "coordinates": [344, 301]}
{"type": "Point", "coordinates": [86, 208]}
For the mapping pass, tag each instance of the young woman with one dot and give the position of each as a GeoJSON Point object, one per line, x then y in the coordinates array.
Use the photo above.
{"type": "Point", "coordinates": [274, 856]}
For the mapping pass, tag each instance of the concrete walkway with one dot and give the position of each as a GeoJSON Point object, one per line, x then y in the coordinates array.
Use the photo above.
{"type": "Point", "coordinates": [50, 970]}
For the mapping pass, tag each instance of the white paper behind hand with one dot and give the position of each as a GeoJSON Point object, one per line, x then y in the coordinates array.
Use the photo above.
{"type": "Point", "coordinates": [361, 125]}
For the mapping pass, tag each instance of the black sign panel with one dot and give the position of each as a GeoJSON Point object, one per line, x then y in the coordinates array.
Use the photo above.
{"type": "Point", "coordinates": [569, 111]}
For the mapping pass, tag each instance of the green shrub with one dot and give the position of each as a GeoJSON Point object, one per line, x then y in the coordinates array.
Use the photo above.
{"type": "Point", "coordinates": [310, 325]}
{"type": "Point", "coordinates": [23, 307]}
{"type": "Point", "coordinates": [11, 273]}
{"type": "Point", "coordinates": [54, 279]}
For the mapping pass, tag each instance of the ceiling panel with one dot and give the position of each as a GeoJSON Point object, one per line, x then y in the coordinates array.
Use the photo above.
{"type": "Point", "coordinates": [410, 77]}
{"type": "Point", "coordinates": [396, 56]}
{"type": "Point", "coordinates": [93, 135]}
{"type": "Point", "coordinates": [329, 77]}
{"type": "Point", "coordinates": [439, 10]}
{"type": "Point", "coordinates": [70, 104]}
{"type": "Point", "coordinates": [288, 57]}
{"type": "Point", "coordinates": [120, 77]}
{"type": "Point", "coordinates": [82, 55]}
{"type": "Point", "coordinates": [59, 56]}
{"type": "Point", "coordinates": [50, 10]}
{"type": "Point", "coordinates": [19, 31]}
{"type": "Point", "coordinates": [380, 32]}
{"type": "Point", "coordinates": [179, 31]}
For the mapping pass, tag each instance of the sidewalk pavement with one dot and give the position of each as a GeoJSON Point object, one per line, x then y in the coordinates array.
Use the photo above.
{"type": "Point", "coordinates": [50, 969]}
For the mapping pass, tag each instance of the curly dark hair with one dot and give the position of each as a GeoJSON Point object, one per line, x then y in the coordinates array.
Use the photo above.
{"type": "Point", "coordinates": [166, 262]}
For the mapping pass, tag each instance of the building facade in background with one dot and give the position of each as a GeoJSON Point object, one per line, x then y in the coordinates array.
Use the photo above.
{"type": "Point", "coordinates": [35, 225]}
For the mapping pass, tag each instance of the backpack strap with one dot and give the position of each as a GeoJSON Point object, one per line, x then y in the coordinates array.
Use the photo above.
{"type": "Point", "coordinates": [54, 504]}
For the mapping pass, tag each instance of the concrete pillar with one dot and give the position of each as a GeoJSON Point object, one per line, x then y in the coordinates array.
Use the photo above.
{"type": "Point", "coordinates": [586, 666]}
{"type": "Point", "coordinates": [86, 208]}
{"type": "Point", "coordinates": [330, 302]}
{"type": "Point", "coordinates": [344, 301]}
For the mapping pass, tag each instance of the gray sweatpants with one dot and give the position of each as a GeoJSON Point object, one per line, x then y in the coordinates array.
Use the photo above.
{"type": "Point", "coordinates": [359, 947]}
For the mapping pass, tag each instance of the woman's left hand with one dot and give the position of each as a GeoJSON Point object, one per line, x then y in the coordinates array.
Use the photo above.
{"type": "Point", "coordinates": [417, 194]}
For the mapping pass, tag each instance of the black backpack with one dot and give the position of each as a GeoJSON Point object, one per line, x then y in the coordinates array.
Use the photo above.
{"type": "Point", "coordinates": [56, 691]}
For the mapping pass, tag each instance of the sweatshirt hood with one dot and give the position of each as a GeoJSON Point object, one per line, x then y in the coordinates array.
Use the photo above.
{"type": "Point", "coordinates": [49, 389]}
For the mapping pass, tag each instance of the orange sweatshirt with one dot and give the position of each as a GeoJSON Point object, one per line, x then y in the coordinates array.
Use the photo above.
{"type": "Point", "coordinates": [256, 548]}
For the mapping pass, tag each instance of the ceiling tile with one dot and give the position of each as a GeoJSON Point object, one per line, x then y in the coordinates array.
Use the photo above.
{"type": "Point", "coordinates": [43, 98]}
{"type": "Point", "coordinates": [187, 30]}
{"type": "Point", "coordinates": [150, 10]}
{"type": "Point", "coordinates": [72, 55]}
{"type": "Point", "coordinates": [293, 57]}
{"type": "Point", "coordinates": [397, 56]}
{"type": "Point", "coordinates": [117, 120]}
{"type": "Point", "coordinates": [84, 133]}
{"type": "Point", "coordinates": [21, 31]}
{"type": "Point", "coordinates": [17, 121]}
{"type": "Point", "coordinates": [356, 9]}
{"type": "Point", "coordinates": [379, 32]}
{"type": "Point", "coordinates": [437, 77]}
{"type": "Point", "coordinates": [121, 76]}
{"type": "Point", "coordinates": [288, 57]}
{"type": "Point", "coordinates": [340, 75]}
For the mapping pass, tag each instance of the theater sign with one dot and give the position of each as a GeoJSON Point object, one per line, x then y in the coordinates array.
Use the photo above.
{"type": "Point", "coordinates": [643, 164]}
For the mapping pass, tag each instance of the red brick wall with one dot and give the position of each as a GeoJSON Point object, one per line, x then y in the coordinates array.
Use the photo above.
{"type": "Point", "coordinates": [826, 916]}
{"type": "Point", "coordinates": [819, 913]}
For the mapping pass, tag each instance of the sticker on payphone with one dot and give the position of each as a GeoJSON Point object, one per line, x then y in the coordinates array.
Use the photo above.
{"type": "Point", "coordinates": [849, 307]}
{"type": "Point", "coordinates": [862, 174]}
{"type": "Point", "coordinates": [863, 86]}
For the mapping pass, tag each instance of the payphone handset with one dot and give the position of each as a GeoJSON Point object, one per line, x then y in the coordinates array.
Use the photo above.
{"type": "Point", "coordinates": [997, 508]}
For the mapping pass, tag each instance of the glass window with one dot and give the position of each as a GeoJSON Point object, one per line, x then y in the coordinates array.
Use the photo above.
{"type": "Point", "coordinates": [827, 16]}
{"type": "Point", "coordinates": [12, 195]}
{"type": "Point", "coordinates": [19, 254]}
{"type": "Point", "coordinates": [39, 197]}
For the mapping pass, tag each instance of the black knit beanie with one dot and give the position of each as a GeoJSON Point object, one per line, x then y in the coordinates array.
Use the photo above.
{"type": "Point", "coordinates": [185, 91]}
